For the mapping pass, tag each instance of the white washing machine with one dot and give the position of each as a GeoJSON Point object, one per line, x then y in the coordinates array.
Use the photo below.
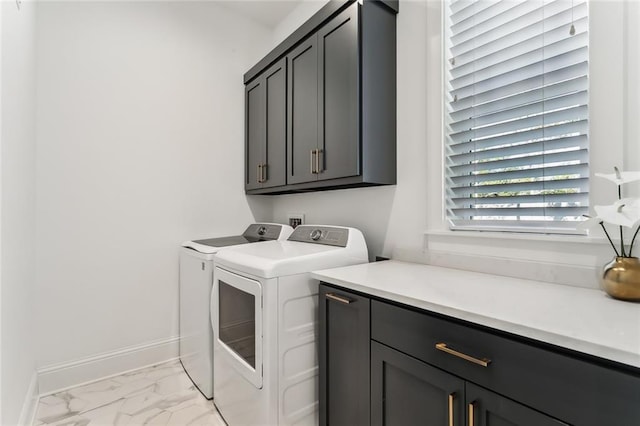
{"type": "Point", "coordinates": [196, 281]}
{"type": "Point", "coordinates": [264, 309]}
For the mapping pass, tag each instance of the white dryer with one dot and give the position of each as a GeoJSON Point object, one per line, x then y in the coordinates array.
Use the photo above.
{"type": "Point", "coordinates": [196, 281]}
{"type": "Point", "coordinates": [264, 308]}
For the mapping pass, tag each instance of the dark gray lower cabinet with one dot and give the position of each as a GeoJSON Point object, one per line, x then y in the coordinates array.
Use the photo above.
{"type": "Point", "coordinates": [485, 408]}
{"type": "Point", "coordinates": [344, 358]}
{"type": "Point", "coordinates": [405, 391]}
{"type": "Point", "coordinates": [418, 367]}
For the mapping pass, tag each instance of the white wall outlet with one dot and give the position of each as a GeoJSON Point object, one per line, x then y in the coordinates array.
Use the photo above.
{"type": "Point", "coordinates": [295, 219]}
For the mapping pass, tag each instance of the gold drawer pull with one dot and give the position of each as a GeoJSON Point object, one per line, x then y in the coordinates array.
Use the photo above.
{"type": "Point", "coordinates": [472, 414]}
{"type": "Point", "coordinates": [451, 399]}
{"type": "Point", "coordinates": [338, 298]}
{"type": "Point", "coordinates": [443, 347]}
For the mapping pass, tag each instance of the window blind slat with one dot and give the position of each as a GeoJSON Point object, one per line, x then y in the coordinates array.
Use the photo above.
{"type": "Point", "coordinates": [463, 88]}
{"type": "Point", "coordinates": [524, 160]}
{"type": "Point", "coordinates": [559, 76]}
{"type": "Point", "coordinates": [547, 145]}
{"type": "Point", "coordinates": [514, 176]}
{"type": "Point", "coordinates": [519, 28]}
{"type": "Point", "coordinates": [531, 121]}
{"type": "Point", "coordinates": [566, 129]}
{"type": "Point", "coordinates": [575, 198]}
{"type": "Point", "coordinates": [578, 184]}
{"type": "Point", "coordinates": [578, 84]}
{"type": "Point", "coordinates": [557, 212]}
{"type": "Point", "coordinates": [550, 104]}
{"type": "Point", "coordinates": [517, 56]}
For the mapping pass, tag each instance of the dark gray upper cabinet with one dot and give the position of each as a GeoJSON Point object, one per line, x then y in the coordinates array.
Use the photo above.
{"type": "Point", "coordinates": [303, 112]}
{"type": "Point", "coordinates": [265, 131]}
{"type": "Point", "coordinates": [340, 100]}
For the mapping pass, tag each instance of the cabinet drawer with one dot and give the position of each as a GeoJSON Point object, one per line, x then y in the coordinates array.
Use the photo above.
{"type": "Point", "coordinates": [568, 387]}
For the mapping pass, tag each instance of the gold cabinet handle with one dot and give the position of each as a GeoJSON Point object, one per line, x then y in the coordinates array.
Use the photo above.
{"type": "Point", "coordinates": [318, 164]}
{"type": "Point", "coordinates": [259, 173]}
{"type": "Point", "coordinates": [480, 361]}
{"type": "Point", "coordinates": [337, 298]}
{"type": "Point", "coordinates": [451, 400]}
{"type": "Point", "coordinates": [472, 414]}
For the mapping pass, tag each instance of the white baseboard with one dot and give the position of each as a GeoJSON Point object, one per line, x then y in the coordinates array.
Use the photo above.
{"type": "Point", "coordinates": [30, 404]}
{"type": "Point", "coordinates": [57, 377]}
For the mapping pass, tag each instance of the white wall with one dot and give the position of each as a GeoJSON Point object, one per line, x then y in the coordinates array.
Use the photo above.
{"type": "Point", "coordinates": [140, 146]}
{"type": "Point", "coordinates": [406, 221]}
{"type": "Point", "coordinates": [17, 201]}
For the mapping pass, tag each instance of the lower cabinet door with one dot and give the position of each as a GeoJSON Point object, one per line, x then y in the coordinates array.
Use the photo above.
{"type": "Point", "coordinates": [343, 357]}
{"type": "Point", "coordinates": [405, 391]}
{"type": "Point", "coordinates": [485, 408]}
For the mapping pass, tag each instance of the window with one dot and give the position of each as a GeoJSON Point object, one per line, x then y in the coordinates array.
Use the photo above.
{"type": "Point", "coordinates": [516, 115]}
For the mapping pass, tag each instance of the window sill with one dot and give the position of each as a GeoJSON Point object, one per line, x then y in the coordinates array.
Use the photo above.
{"type": "Point", "coordinates": [517, 236]}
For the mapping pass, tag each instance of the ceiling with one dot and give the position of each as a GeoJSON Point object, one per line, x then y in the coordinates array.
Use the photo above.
{"type": "Point", "coordinates": [267, 12]}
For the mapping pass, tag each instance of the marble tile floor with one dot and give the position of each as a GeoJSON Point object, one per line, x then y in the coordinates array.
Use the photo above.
{"type": "Point", "coordinates": [157, 395]}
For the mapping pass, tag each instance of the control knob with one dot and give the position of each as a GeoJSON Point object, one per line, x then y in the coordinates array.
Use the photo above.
{"type": "Point", "coordinates": [262, 230]}
{"type": "Point", "coordinates": [316, 234]}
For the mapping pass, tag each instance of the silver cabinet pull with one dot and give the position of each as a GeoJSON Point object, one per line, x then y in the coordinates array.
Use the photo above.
{"type": "Point", "coordinates": [264, 173]}
{"type": "Point", "coordinates": [313, 169]}
{"type": "Point", "coordinates": [259, 173]}
{"type": "Point", "coordinates": [337, 298]}
{"type": "Point", "coordinates": [480, 361]}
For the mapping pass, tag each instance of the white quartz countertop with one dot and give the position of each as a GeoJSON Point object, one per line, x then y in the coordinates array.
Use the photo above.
{"type": "Point", "coordinates": [581, 319]}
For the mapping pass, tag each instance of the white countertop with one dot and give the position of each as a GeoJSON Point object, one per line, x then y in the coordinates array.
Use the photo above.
{"type": "Point", "coordinates": [581, 319]}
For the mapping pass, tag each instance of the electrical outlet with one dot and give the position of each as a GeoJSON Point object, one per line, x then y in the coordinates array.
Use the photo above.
{"type": "Point", "coordinates": [295, 219]}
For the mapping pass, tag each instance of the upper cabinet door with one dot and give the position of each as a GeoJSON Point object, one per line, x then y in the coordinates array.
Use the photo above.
{"type": "Point", "coordinates": [254, 133]}
{"type": "Point", "coordinates": [302, 112]}
{"type": "Point", "coordinates": [275, 85]}
{"type": "Point", "coordinates": [338, 118]}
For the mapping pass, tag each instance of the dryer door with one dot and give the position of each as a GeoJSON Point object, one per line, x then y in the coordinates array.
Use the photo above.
{"type": "Point", "coordinates": [238, 323]}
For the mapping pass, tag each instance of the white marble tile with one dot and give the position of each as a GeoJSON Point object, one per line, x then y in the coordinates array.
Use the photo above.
{"type": "Point", "coordinates": [158, 395]}
{"type": "Point", "coordinates": [191, 415]}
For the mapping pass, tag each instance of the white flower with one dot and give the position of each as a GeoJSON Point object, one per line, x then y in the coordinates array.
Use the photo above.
{"type": "Point", "coordinates": [625, 212]}
{"type": "Point", "coordinates": [620, 177]}
{"type": "Point", "coordinates": [589, 223]}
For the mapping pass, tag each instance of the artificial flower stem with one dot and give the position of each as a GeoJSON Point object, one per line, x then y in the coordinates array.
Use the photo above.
{"type": "Point", "coordinates": [621, 236]}
{"type": "Point", "coordinates": [633, 240]}
{"type": "Point", "coordinates": [609, 238]}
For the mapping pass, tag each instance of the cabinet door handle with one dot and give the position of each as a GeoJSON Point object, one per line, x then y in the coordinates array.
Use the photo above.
{"type": "Point", "coordinates": [451, 401]}
{"type": "Point", "coordinates": [480, 361]}
{"type": "Point", "coordinates": [318, 163]}
{"type": "Point", "coordinates": [259, 173]}
{"type": "Point", "coordinates": [313, 165]}
{"type": "Point", "coordinates": [264, 173]}
{"type": "Point", "coordinates": [472, 414]}
{"type": "Point", "coordinates": [337, 298]}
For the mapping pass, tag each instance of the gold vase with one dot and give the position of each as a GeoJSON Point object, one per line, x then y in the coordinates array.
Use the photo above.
{"type": "Point", "coordinates": [621, 278]}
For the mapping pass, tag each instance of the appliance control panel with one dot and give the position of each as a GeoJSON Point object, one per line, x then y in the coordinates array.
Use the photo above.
{"type": "Point", "coordinates": [262, 231]}
{"type": "Point", "coordinates": [326, 235]}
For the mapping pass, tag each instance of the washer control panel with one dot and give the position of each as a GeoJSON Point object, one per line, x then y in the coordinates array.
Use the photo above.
{"type": "Point", "coordinates": [262, 231]}
{"type": "Point", "coordinates": [327, 235]}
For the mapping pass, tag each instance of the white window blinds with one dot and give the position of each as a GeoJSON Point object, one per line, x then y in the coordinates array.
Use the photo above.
{"type": "Point", "coordinates": [516, 114]}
